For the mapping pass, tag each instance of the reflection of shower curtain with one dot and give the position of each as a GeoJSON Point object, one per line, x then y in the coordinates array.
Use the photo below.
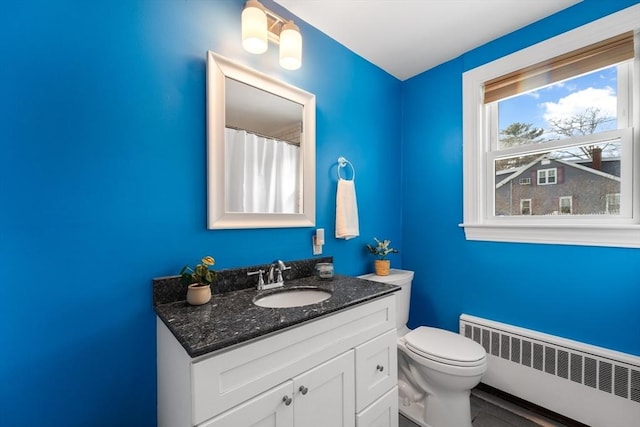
{"type": "Point", "coordinates": [261, 174]}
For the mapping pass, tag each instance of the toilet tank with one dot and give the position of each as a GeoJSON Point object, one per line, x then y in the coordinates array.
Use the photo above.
{"type": "Point", "coordinates": [402, 278]}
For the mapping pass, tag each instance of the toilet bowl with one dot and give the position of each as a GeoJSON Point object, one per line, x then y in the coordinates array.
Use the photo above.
{"type": "Point", "coordinates": [436, 371]}
{"type": "Point", "coordinates": [436, 368]}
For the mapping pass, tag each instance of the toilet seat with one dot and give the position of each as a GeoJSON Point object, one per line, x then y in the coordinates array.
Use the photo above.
{"type": "Point", "coordinates": [445, 347]}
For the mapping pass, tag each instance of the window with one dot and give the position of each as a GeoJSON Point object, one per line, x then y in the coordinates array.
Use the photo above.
{"type": "Point", "coordinates": [566, 205]}
{"type": "Point", "coordinates": [525, 181]}
{"type": "Point", "coordinates": [613, 203]}
{"type": "Point", "coordinates": [546, 176]}
{"type": "Point", "coordinates": [554, 123]}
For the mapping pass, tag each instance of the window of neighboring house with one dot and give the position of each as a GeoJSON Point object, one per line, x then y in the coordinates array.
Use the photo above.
{"type": "Point", "coordinates": [546, 176]}
{"type": "Point", "coordinates": [613, 203]}
{"type": "Point", "coordinates": [566, 205]}
{"type": "Point", "coordinates": [560, 115]}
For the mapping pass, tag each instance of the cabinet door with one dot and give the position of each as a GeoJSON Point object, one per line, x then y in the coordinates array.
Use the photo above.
{"type": "Point", "coordinates": [376, 368]}
{"type": "Point", "coordinates": [324, 396]}
{"type": "Point", "coordinates": [382, 413]}
{"type": "Point", "coordinates": [272, 408]}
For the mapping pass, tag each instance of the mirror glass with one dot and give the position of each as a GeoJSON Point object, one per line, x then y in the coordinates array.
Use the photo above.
{"type": "Point", "coordinates": [260, 149]}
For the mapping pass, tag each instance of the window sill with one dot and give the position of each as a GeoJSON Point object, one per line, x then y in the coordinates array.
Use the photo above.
{"type": "Point", "coordinates": [621, 236]}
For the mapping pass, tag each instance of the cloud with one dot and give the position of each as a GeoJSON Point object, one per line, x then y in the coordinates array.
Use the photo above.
{"type": "Point", "coordinates": [555, 86]}
{"type": "Point", "coordinates": [604, 99]}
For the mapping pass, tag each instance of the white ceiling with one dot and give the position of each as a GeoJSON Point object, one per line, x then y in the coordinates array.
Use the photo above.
{"type": "Point", "coordinates": [407, 37]}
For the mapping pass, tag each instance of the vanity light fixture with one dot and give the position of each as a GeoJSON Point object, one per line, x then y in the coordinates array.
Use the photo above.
{"type": "Point", "coordinates": [290, 46]}
{"type": "Point", "coordinates": [260, 25]}
{"type": "Point", "coordinates": [254, 27]}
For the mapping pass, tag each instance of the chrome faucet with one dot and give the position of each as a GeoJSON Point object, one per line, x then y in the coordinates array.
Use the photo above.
{"type": "Point", "coordinates": [274, 276]}
{"type": "Point", "coordinates": [270, 279]}
{"type": "Point", "coordinates": [261, 284]}
{"type": "Point", "coordinates": [281, 268]}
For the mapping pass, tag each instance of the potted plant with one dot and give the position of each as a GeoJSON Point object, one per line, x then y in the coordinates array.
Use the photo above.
{"type": "Point", "coordinates": [199, 280]}
{"type": "Point", "coordinates": [381, 250]}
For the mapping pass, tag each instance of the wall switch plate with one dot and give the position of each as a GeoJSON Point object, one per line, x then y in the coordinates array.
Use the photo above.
{"type": "Point", "coordinates": [317, 249]}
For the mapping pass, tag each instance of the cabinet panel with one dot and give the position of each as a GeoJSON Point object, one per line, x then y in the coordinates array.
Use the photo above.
{"type": "Point", "coordinates": [269, 409]}
{"type": "Point", "coordinates": [376, 368]}
{"type": "Point", "coordinates": [228, 378]}
{"type": "Point", "coordinates": [174, 385]}
{"type": "Point", "coordinates": [382, 413]}
{"type": "Point", "coordinates": [324, 396]}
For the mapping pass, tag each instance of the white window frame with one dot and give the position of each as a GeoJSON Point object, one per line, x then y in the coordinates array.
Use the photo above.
{"type": "Point", "coordinates": [524, 181]}
{"type": "Point", "coordinates": [547, 173]}
{"type": "Point", "coordinates": [564, 198]}
{"type": "Point", "coordinates": [522, 202]}
{"type": "Point", "coordinates": [479, 221]}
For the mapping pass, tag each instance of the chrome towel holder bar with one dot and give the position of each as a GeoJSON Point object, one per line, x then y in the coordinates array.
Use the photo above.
{"type": "Point", "coordinates": [342, 163]}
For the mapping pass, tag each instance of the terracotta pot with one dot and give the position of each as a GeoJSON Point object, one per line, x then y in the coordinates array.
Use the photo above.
{"type": "Point", "coordinates": [382, 267]}
{"type": "Point", "coordinates": [198, 294]}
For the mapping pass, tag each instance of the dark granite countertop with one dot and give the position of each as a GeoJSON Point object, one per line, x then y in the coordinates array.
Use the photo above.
{"type": "Point", "coordinates": [232, 318]}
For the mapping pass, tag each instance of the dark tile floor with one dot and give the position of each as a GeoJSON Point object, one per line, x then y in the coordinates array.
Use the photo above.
{"type": "Point", "coordinates": [488, 410]}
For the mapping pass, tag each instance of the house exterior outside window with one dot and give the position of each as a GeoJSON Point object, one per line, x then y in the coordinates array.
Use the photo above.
{"type": "Point", "coordinates": [566, 205]}
{"type": "Point", "coordinates": [546, 176]}
{"type": "Point", "coordinates": [613, 203]}
{"type": "Point", "coordinates": [571, 181]}
{"type": "Point", "coordinates": [525, 181]}
{"type": "Point", "coordinates": [577, 166]}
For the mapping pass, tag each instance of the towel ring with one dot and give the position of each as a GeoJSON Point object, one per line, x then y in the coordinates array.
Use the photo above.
{"type": "Point", "coordinates": [342, 162]}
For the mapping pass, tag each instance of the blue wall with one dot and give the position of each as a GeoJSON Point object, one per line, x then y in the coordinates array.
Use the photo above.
{"type": "Point", "coordinates": [589, 294]}
{"type": "Point", "coordinates": [102, 166]}
{"type": "Point", "coordinates": [102, 132]}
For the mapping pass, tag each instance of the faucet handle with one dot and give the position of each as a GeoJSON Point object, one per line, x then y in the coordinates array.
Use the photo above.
{"type": "Point", "coordinates": [281, 268]}
{"type": "Point", "coordinates": [281, 265]}
{"type": "Point", "coordinates": [259, 272]}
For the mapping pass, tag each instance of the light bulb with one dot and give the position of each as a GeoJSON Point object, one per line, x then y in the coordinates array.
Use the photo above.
{"type": "Point", "coordinates": [290, 46]}
{"type": "Point", "coordinates": [254, 27]}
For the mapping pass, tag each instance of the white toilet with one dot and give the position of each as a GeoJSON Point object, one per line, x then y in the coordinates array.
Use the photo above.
{"type": "Point", "coordinates": [436, 368]}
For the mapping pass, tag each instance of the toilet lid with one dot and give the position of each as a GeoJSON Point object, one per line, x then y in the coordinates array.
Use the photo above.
{"type": "Point", "coordinates": [445, 346]}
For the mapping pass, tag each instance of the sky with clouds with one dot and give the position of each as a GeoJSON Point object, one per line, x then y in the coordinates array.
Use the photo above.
{"type": "Point", "coordinates": [563, 100]}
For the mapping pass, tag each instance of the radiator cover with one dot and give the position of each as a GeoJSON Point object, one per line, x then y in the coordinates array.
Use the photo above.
{"type": "Point", "coordinates": [590, 384]}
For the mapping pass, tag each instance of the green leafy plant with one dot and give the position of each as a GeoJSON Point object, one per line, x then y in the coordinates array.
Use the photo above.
{"type": "Point", "coordinates": [201, 274]}
{"type": "Point", "coordinates": [381, 248]}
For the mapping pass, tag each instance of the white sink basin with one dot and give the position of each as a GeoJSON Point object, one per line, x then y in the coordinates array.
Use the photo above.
{"type": "Point", "coordinates": [292, 298]}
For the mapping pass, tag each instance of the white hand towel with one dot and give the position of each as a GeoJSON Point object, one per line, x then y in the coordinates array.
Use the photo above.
{"type": "Point", "coordinates": [347, 226]}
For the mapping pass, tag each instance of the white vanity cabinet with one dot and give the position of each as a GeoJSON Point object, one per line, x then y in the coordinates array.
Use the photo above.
{"type": "Point", "coordinates": [303, 399]}
{"type": "Point", "coordinates": [333, 371]}
{"type": "Point", "coordinates": [266, 409]}
{"type": "Point", "coordinates": [376, 387]}
{"type": "Point", "coordinates": [324, 395]}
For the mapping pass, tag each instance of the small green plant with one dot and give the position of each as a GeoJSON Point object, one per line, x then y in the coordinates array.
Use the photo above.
{"type": "Point", "coordinates": [381, 249]}
{"type": "Point", "coordinates": [201, 274]}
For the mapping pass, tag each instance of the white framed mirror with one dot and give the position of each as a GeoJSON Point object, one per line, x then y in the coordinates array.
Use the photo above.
{"type": "Point", "coordinates": [260, 149]}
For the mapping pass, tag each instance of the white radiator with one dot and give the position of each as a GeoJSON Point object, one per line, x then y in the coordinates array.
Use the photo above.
{"type": "Point", "coordinates": [590, 384]}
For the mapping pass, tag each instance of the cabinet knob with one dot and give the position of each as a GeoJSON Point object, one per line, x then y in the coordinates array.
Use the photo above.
{"type": "Point", "coordinates": [380, 368]}
{"type": "Point", "coordinates": [287, 400]}
{"type": "Point", "coordinates": [303, 389]}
